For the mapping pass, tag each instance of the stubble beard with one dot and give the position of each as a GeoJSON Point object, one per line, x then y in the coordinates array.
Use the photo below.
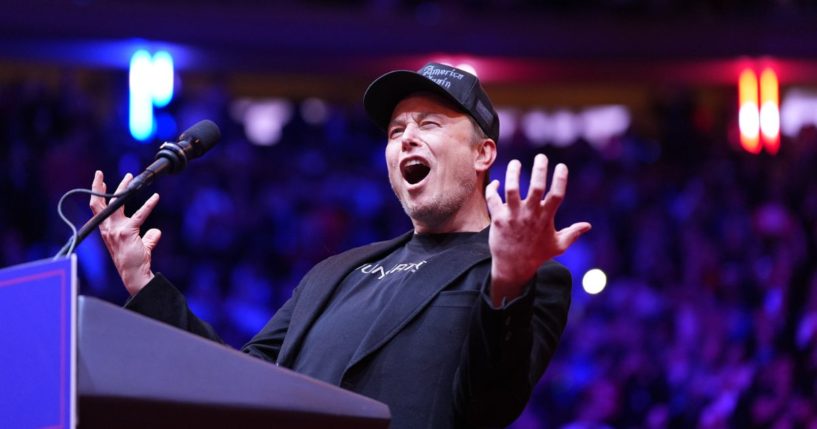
{"type": "Point", "coordinates": [439, 210]}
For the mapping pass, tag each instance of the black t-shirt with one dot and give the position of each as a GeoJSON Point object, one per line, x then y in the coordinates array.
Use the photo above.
{"type": "Point", "coordinates": [359, 300]}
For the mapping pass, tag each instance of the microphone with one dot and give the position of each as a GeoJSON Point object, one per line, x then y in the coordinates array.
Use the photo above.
{"type": "Point", "coordinates": [173, 156]}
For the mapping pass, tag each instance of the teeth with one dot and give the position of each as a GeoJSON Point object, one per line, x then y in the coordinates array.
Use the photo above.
{"type": "Point", "coordinates": [413, 162]}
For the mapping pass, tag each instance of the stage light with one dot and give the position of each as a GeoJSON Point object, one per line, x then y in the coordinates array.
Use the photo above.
{"type": "Point", "coordinates": [770, 110]}
{"type": "Point", "coordinates": [468, 67]}
{"type": "Point", "coordinates": [264, 120]}
{"type": "Point", "coordinates": [749, 113]}
{"type": "Point", "coordinates": [140, 120]}
{"type": "Point", "coordinates": [594, 281]}
{"type": "Point", "coordinates": [537, 127]}
{"type": "Point", "coordinates": [507, 117]}
{"type": "Point", "coordinates": [150, 82]}
{"type": "Point", "coordinates": [162, 69]}
{"type": "Point", "coordinates": [797, 110]}
{"type": "Point", "coordinates": [602, 123]}
{"type": "Point", "coordinates": [567, 127]}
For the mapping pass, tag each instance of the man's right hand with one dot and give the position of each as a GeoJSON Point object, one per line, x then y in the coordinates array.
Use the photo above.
{"type": "Point", "coordinates": [130, 251]}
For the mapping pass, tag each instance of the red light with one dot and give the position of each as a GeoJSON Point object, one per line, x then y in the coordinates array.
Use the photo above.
{"type": "Point", "coordinates": [759, 114]}
{"type": "Point", "coordinates": [770, 110]}
{"type": "Point", "coordinates": [749, 113]}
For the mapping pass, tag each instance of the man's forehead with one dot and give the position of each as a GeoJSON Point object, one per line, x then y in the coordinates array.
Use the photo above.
{"type": "Point", "coordinates": [424, 104]}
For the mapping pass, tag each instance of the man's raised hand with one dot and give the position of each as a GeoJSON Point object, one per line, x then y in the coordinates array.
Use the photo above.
{"type": "Point", "coordinates": [523, 234]}
{"type": "Point", "coordinates": [131, 253]}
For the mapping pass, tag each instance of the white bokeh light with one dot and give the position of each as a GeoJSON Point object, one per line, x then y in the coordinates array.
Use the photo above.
{"type": "Point", "coordinates": [594, 281]}
{"type": "Point", "coordinates": [798, 110]}
{"type": "Point", "coordinates": [749, 120]}
{"type": "Point", "coordinates": [264, 120]}
{"type": "Point", "coordinates": [507, 123]}
{"type": "Point", "coordinates": [567, 127]}
{"type": "Point", "coordinates": [601, 123]}
{"type": "Point", "coordinates": [537, 127]}
{"type": "Point", "coordinates": [769, 120]}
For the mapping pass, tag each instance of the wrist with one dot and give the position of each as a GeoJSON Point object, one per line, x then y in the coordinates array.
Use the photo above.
{"type": "Point", "coordinates": [507, 286]}
{"type": "Point", "coordinates": [134, 282]}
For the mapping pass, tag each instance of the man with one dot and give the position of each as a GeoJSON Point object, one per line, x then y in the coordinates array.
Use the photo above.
{"type": "Point", "coordinates": [451, 324]}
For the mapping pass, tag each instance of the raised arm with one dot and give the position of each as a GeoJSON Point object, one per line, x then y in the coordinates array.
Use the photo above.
{"type": "Point", "coordinates": [514, 336]}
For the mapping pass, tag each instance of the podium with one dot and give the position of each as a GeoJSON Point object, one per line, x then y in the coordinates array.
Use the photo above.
{"type": "Point", "coordinates": [135, 372]}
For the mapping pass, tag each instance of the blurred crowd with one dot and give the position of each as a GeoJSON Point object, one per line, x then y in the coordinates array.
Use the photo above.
{"type": "Point", "coordinates": [708, 320]}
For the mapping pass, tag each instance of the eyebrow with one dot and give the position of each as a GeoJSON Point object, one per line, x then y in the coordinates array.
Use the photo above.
{"type": "Point", "coordinates": [418, 117]}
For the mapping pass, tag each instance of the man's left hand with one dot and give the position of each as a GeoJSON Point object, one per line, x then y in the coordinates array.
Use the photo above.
{"type": "Point", "coordinates": [523, 234]}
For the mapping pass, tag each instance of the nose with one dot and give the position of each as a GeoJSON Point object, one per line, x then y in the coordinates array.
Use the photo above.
{"type": "Point", "coordinates": [409, 138]}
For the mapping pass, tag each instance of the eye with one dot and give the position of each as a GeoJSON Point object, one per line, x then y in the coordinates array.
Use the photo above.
{"type": "Point", "coordinates": [395, 132]}
{"type": "Point", "coordinates": [428, 123]}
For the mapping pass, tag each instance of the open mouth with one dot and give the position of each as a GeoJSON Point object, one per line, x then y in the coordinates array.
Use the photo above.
{"type": "Point", "coordinates": [415, 171]}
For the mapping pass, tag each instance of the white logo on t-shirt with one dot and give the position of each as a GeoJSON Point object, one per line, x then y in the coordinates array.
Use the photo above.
{"type": "Point", "coordinates": [378, 270]}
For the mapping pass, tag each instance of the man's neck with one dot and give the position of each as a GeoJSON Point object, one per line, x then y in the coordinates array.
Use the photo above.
{"type": "Point", "coordinates": [470, 218]}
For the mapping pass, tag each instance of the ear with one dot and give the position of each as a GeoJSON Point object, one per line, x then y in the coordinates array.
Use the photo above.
{"type": "Point", "coordinates": [485, 155]}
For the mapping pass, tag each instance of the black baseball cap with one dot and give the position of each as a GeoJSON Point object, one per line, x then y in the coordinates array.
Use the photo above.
{"type": "Point", "coordinates": [458, 86]}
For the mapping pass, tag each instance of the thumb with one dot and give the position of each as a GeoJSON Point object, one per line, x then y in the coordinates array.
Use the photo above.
{"type": "Point", "coordinates": [572, 233]}
{"type": "Point", "coordinates": [151, 238]}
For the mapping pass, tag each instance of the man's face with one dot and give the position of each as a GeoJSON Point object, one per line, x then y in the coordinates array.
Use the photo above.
{"type": "Point", "coordinates": [431, 155]}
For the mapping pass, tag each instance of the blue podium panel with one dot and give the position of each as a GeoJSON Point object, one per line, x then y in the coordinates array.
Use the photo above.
{"type": "Point", "coordinates": [37, 345]}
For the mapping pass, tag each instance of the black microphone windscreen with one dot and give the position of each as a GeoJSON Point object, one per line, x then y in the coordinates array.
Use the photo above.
{"type": "Point", "coordinates": [203, 135]}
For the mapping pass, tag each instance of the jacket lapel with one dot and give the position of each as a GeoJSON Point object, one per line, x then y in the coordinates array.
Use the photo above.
{"type": "Point", "coordinates": [426, 284]}
{"type": "Point", "coordinates": [318, 289]}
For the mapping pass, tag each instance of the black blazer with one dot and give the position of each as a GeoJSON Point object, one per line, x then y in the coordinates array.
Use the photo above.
{"type": "Point", "coordinates": [440, 357]}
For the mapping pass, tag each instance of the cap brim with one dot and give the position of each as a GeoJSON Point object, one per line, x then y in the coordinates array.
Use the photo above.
{"type": "Point", "coordinates": [388, 90]}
